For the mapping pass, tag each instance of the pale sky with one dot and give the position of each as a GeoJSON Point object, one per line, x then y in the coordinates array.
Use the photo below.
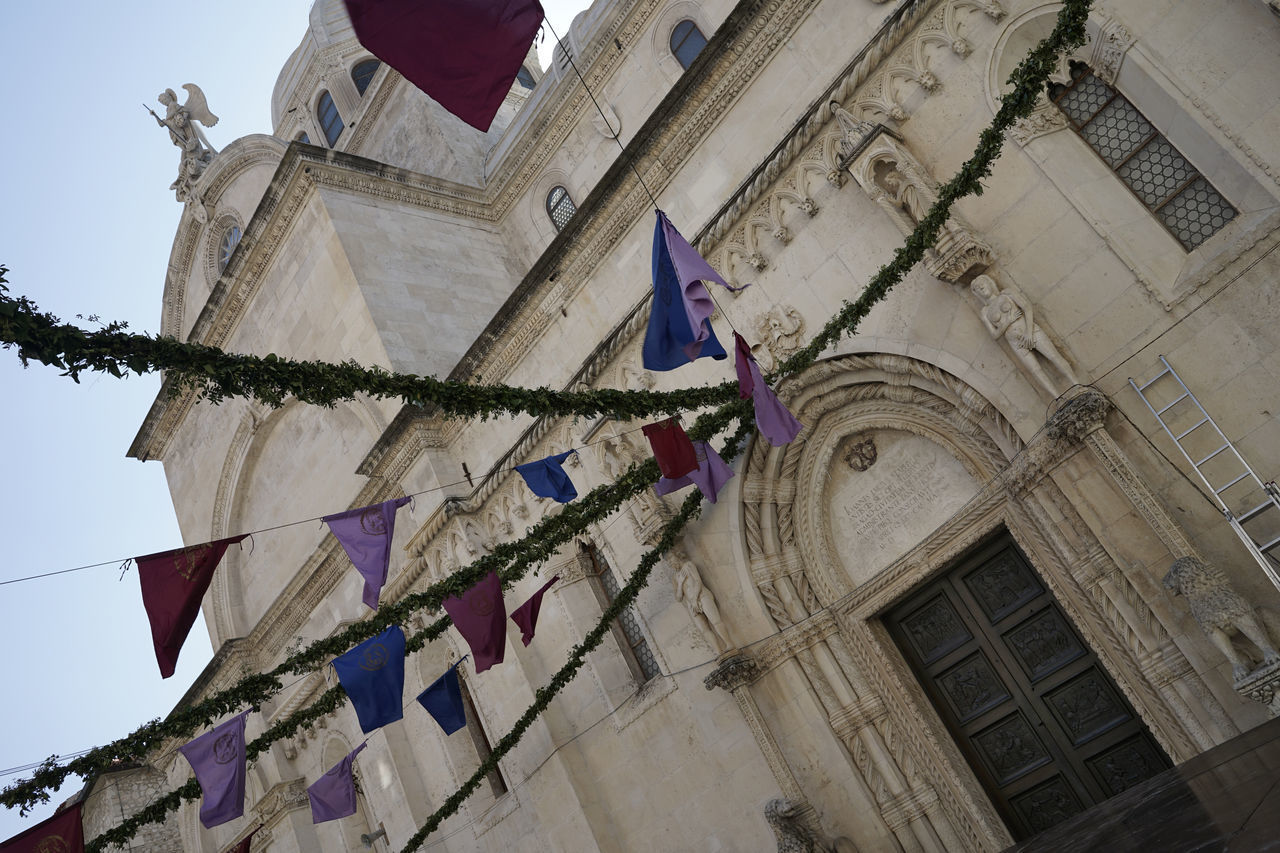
{"type": "Point", "coordinates": [86, 224]}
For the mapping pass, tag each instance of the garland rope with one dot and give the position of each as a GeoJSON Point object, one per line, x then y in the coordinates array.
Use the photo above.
{"type": "Point", "coordinates": [216, 375]}
{"type": "Point", "coordinates": [1028, 81]}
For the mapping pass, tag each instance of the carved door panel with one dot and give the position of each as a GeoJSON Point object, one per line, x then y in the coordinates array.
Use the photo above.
{"type": "Point", "coordinates": [1042, 724]}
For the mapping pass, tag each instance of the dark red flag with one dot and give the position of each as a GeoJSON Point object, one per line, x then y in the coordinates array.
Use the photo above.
{"type": "Point", "coordinates": [463, 53]}
{"type": "Point", "coordinates": [61, 833]}
{"type": "Point", "coordinates": [526, 615]}
{"type": "Point", "coordinates": [173, 582]}
{"type": "Point", "coordinates": [672, 448]}
{"type": "Point", "coordinates": [480, 615]}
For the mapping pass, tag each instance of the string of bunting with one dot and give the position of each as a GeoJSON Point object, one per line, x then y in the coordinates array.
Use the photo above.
{"type": "Point", "coordinates": [1028, 80]}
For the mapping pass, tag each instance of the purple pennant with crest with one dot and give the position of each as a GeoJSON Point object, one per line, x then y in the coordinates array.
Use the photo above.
{"type": "Point", "coordinates": [480, 615]}
{"type": "Point", "coordinates": [333, 795]}
{"type": "Point", "coordinates": [774, 420]}
{"type": "Point", "coordinates": [710, 475]}
{"type": "Point", "coordinates": [217, 757]}
{"type": "Point", "coordinates": [365, 533]}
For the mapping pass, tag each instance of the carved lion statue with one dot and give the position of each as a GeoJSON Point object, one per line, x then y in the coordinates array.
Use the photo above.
{"type": "Point", "coordinates": [1220, 611]}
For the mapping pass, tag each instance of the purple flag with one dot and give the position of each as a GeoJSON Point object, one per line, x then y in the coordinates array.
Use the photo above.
{"type": "Point", "coordinates": [526, 615]}
{"type": "Point", "coordinates": [217, 757]}
{"type": "Point", "coordinates": [365, 533]}
{"type": "Point", "coordinates": [333, 795]}
{"type": "Point", "coordinates": [774, 420]}
{"type": "Point", "coordinates": [710, 476]}
{"type": "Point", "coordinates": [480, 616]}
{"type": "Point", "coordinates": [463, 53]}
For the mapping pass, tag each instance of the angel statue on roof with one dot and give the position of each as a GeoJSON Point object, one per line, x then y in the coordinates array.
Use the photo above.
{"type": "Point", "coordinates": [183, 123]}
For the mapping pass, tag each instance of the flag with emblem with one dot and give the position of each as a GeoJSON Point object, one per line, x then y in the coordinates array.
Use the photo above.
{"type": "Point", "coordinates": [62, 833]}
{"type": "Point", "coordinates": [173, 584]}
{"type": "Point", "coordinates": [333, 795]}
{"type": "Point", "coordinates": [365, 534]}
{"type": "Point", "coordinates": [480, 615]}
{"type": "Point", "coordinates": [465, 54]}
{"type": "Point", "coordinates": [217, 757]}
{"type": "Point", "coordinates": [372, 674]}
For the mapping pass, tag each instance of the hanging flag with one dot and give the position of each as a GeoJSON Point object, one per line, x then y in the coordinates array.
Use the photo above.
{"type": "Point", "coordinates": [465, 55]}
{"type": "Point", "coordinates": [480, 616]}
{"type": "Point", "coordinates": [671, 448]}
{"type": "Point", "coordinates": [711, 475]}
{"type": "Point", "coordinates": [372, 674]}
{"type": "Point", "coordinates": [333, 795]}
{"type": "Point", "coordinates": [63, 833]}
{"type": "Point", "coordinates": [242, 846]}
{"type": "Point", "coordinates": [680, 318]}
{"type": "Point", "coordinates": [365, 533]}
{"type": "Point", "coordinates": [443, 700]}
{"type": "Point", "coordinates": [173, 583]}
{"type": "Point", "coordinates": [546, 478]}
{"type": "Point", "coordinates": [526, 615]}
{"type": "Point", "coordinates": [217, 757]}
{"type": "Point", "coordinates": [774, 420]}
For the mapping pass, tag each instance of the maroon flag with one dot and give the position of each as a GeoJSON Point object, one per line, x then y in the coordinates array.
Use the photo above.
{"type": "Point", "coordinates": [62, 833]}
{"type": "Point", "coordinates": [463, 53]}
{"type": "Point", "coordinates": [481, 617]}
{"type": "Point", "coordinates": [672, 448]}
{"type": "Point", "coordinates": [526, 615]}
{"type": "Point", "coordinates": [173, 582]}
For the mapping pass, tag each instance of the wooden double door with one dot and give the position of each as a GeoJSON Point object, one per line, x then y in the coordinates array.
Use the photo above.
{"type": "Point", "coordinates": [1040, 721]}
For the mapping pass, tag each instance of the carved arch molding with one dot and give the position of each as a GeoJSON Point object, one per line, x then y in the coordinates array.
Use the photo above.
{"type": "Point", "coordinates": [828, 623]}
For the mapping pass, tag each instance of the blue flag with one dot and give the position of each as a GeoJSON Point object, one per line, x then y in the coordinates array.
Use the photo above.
{"type": "Point", "coordinates": [443, 700]}
{"type": "Point", "coordinates": [546, 478]}
{"type": "Point", "coordinates": [372, 673]}
{"type": "Point", "coordinates": [679, 322]}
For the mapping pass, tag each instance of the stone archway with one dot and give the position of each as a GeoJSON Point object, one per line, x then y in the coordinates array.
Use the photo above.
{"type": "Point", "coordinates": [942, 471]}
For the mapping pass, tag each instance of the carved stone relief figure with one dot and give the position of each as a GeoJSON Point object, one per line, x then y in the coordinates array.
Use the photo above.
{"type": "Point", "coordinates": [648, 513]}
{"type": "Point", "coordinates": [781, 332]}
{"type": "Point", "coordinates": [183, 123]}
{"type": "Point", "coordinates": [700, 601]}
{"type": "Point", "coordinates": [635, 378]}
{"type": "Point", "coordinates": [900, 184]}
{"type": "Point", "coordinates": [1220, 611]}
{"type": "Point", "coordinates": [1008, 314]}
{"type": "Point", "coordinates": [783, 817]}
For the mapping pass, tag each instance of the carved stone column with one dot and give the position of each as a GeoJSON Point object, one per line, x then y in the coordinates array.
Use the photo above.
{"type": "Point", "coordinates": [735, 675]}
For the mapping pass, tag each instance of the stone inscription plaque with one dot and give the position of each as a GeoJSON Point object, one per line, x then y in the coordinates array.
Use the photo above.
{"type": "Point", "coordinates": [877, 515]}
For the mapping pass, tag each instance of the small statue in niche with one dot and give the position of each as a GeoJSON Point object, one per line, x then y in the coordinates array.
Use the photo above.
{"type": "Point", "coordinates": [1220, 611]}
{"type": "Point", "coordinates": [700, 601]}
{"type": "Point", "coordinates": [1008, 314]}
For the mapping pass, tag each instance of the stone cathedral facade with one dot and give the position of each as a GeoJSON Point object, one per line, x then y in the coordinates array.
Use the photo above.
{"type": "Point", "coordinates": [981, 592]}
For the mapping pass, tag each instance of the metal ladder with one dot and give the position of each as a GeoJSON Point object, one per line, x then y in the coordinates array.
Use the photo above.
{"type": "Point", "coordinates": [1240, 494]}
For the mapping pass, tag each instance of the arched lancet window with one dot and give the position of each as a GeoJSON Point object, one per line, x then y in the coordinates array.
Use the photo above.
{"type": "Point", "coordinates": [687, 41]}
{"type": "Point", "coordinates": [363, 73]}
{"type": "Point", "coordinates": [525, 78]}
{"type": "Point", "coordinates": [560, 207]}
{"type": "Point", "coordinates": [330, 121]}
